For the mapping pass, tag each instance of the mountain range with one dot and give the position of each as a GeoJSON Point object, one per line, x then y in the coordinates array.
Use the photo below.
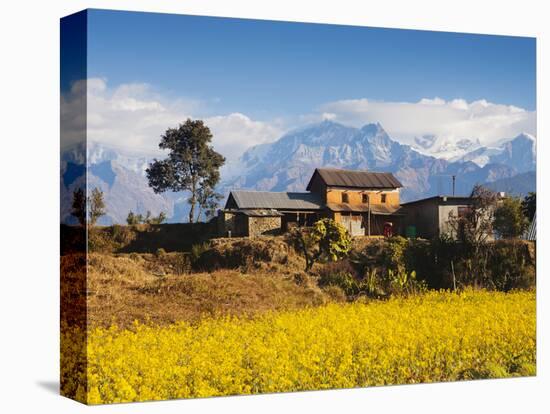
{"type": "Point", "coordinates": [287, 165]}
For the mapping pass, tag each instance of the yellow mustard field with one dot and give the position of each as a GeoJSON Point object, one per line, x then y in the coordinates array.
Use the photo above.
{"type": "Point", "coordinates": [439, 336]}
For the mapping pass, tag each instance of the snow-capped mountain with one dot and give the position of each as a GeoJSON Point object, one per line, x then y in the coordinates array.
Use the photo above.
{"type": "Point", "coordinates": [519, 153]}
{"type": "Point", "coordinates": [445, 148]}
{"type": "Point", "coordinates": [287, 165]}
{"type": "Point", "coordinates": [121, 176]}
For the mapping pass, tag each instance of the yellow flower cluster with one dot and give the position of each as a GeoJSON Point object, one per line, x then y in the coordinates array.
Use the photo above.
{"type": "Point", "coordinates": [438, 336]}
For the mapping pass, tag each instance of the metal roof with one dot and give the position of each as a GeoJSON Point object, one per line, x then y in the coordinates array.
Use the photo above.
{"type": "Point", "coordinates": [334, 177]}
{"type": "Point", "coordinates": [379, 209]}
{"type": "Point", "coordinates": [261, 213]}
{"type": "Point", "coordinates": [443, 199]}
{"type": "Point", "coordinates": [274, 200]}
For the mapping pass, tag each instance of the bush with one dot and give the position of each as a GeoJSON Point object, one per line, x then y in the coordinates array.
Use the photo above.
{"type": "Point", "coordinates": [383, 266]}
{"type": "Point", "coordinates": [386, 254]}
{"type": "Point", "coordinates": [355, 280]}
{"type": "Point", "coordinates": [344, 280]}
{"type": "Point", "coordinates": [197, 250]}
{"type": "Point", "coordinates": [501, 265]}
{"type": "Point", "coordinates": [340, 274]}
{"type": "Point", "coordinates": [509, 219]}
{"type": "Point", "coordinates": [511, 265]}
{"type": "Point", "coordinates": [326, 241]}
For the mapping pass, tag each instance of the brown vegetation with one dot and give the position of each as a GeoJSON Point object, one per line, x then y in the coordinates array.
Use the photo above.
{"type": "Point", "coordinates": [243, 276]}
{"type": "Point", "coordinates": [128, 287]}
{"type": "Point", "coordinates": [268, 253]}
{"type": "Point", "coordinates": [144, 238]}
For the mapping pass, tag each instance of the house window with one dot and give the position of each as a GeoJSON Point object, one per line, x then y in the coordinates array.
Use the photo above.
{"type": "Point", "coordinates": [345, 198]}
{"type": "Point", "coordinates": [365, 198]}
{"type": "Point", "coordinates": [383, 198]}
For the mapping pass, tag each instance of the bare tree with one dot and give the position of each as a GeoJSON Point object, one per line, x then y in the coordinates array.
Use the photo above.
{"type": "Point", "coordinates": [475, 225]}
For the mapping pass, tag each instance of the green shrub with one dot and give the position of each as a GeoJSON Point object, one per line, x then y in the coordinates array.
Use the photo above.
{"type": "Point", "coordinates": [326, 241]}
{"type": "Point", "coordinates": [342, 279]}
{"type": "Point", "coordinates": [404, 283]}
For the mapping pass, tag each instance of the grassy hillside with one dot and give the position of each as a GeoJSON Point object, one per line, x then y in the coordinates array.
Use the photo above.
{"type": "Point", "coordinates": [142, 287]}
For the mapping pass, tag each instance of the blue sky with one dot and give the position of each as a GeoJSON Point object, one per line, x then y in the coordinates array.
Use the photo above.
{"type": "Point", "coordinates": [266, 68]}
{"type": "Point", "coordinates": [252, 81]}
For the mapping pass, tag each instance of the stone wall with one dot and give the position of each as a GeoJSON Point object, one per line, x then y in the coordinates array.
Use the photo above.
{"type": "Point", "coordinates": [262, 226]}
{"type": "Point", "coordinates": [231, 223]}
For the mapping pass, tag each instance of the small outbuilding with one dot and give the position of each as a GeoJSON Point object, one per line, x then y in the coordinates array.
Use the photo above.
{"type": "Point", "coordinates": [253, 213]}
{"type": "Point", "coordinates": [249, 223]}
{"type": "Point", "coordinates": [428, 217]}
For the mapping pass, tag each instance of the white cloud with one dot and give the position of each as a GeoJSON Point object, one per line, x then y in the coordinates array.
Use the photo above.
{"type": "Point", "coordinates": [133, 116]}
{"type": "Point", "coordinates": [448, 120]}
{"type": "Point", "coordinates": [234, 133]}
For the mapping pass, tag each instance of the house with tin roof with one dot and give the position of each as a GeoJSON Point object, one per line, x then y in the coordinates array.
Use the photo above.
{"type": "Point", "coordinates": [365, 202]}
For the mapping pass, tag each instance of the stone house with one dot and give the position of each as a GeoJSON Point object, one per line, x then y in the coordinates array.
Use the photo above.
{"type": "Point", "coordinates": [254, 213]}
{"type": "Point", "coordinates": [249, 223]}
{"type": "Point", "coordinates": [365, 202]}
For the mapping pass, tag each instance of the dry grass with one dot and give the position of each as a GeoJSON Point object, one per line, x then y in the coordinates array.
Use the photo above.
{"type": "Point", "coordinates": [147, 238]}
{"type": "Point", "coordinates": [126, 288]}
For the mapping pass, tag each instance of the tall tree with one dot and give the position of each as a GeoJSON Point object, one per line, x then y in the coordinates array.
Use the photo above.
{"type": "Point", "coordinates": [192, 164]}
{"type": "Point", "coordinates": [97, 206]}
{"type": "Point", "coordinates": [529, 206]}
{"type": "Point", "coordinates": [208, 201]}
{"type": "Point", "coordinates": [79, 206]}
{"type": "Point", "coordinates": [509, 219]}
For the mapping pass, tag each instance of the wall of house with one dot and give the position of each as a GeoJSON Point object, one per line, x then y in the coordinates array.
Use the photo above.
{"type": "Point", "coordinates": [318, 186]}
{"type": "Point", "coordinates": [334, 195]}
{"type": "Point", "coordinates": [299, 218]}
{"type": "Point", "coordinates": [232, 223]}
{"type": "Point", "coordinates": [354, 223]}
{"type": "Point", "coordinates": [226, 223]}
{"type": "Point", "coordinates": [444, 211]}
{"type": "Point", "coordinates": [424, 217]}
{"type": "Point", "coordinates": [263, 226]}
